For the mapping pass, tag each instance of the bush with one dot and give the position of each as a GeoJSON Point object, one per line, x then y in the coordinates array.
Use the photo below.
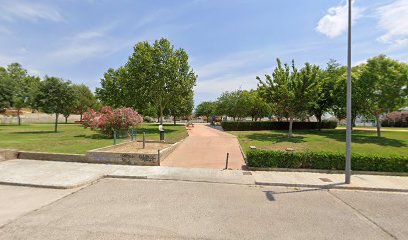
{"type": "Point", "coordinates": [255, 126]}
{"type": "Point", "coordinates": [109, 120]}
{"type": "Point", "coordinates": [325, 160]}
{"type": "Point", "coordinates": [395, 119]}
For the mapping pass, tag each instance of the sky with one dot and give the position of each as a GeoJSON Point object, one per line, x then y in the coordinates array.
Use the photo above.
{"type": "Point", "coordinates": [229, 42]}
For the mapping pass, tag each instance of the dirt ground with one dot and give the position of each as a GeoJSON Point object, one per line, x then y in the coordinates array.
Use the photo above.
{"type": "Point", "coordinates": [137, 147]}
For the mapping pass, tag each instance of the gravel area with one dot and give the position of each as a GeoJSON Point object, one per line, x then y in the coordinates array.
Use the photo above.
{"type": "Point", "coordinates": [137, 147]}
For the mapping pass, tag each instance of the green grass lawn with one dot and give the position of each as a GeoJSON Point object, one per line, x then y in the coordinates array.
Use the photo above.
{"type": "Point", "coordinates": [73, 138]}
{"type": "Point", "coordinates": [329, 140]}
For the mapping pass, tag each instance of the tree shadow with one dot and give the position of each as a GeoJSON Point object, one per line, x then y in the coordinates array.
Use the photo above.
{"type": "Point", "coordinates": [275, 138]}
{"type": "Point", "coordinates": [94, 136]}
{"type": "Point", "coordinates": [36, 132]}
{"type": "Point", "coordinates": [363, 137]}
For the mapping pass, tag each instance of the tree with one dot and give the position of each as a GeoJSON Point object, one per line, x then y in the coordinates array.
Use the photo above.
{"type": "Point", "coordinates": [6, 89]}
{"type": "Point", "coordinates": [18, 88]}
{"type": "Point", "coordinates": [291, 90]}
{"type": "Point", "coordinates": [113, 90]}
{"type": "Point", "coordinates": [324, 97]}
{"type": "Point", "coordinates": [85, 99]}
{"type": "Point", "coordinates": [55, 96]}
{"type": "Point", "coordinates": [181, 107]}
{"type": "Point", "coordinates": [158, 74]}
{"type": "Point", "coordinates": [234, 104]}
{"type": "Point", "coordinates": [258, 107]}
{"type": "Point", "coordinates": [206, 109]}
{"type": "Point", "coordinates": [386, 82]}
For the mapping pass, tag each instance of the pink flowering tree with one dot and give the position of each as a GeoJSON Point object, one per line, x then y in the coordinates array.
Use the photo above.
{"type": "Point", "coordinates": [110, 120]}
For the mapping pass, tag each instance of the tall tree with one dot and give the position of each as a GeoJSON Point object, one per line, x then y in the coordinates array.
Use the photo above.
{"type": "Point", "coordinates": [19, 88]}
{"type": "Point", "coordinates": [158, 73]}
{"type": "Point", "coordinates": [206, 109]}
{"type": "Point", "coordinates": [291, 90]}
{"type": "Point", "coordinates": [55, 96]}
{"type": "Point", "coordinates": [85, 99]}
{"type": "Point", "coordinates": [323, 99]}
{"type": "Point", "coordinates": [386, 82]}
{"type": "Point", "coordinates": [6, 90]}
{"type": "Point", "coordinates": [181, 107]}
{"type": "Point", "coordinates": [258, 107]}
{"type": "Point", "coordinates": [233, 104]}
{"type": "Point", "coordinates": [114, 92]}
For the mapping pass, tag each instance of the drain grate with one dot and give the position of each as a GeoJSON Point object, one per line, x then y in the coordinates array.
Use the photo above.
{"type": "Point", "coordinates": [246, 173]}
{"type": "Point", "coordinates": [325, 180]}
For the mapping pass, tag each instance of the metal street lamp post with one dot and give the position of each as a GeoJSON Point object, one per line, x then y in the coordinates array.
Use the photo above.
{"type": "Point", "coordinates": [348, 131]}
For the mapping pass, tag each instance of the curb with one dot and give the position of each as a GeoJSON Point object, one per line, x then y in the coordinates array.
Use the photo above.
{"type": "Point", "coordinates": [52, 186]}
{"type": "Point", "coordinates": [332, 186]}
{"type": "Point", "coordinates": [401, 174]}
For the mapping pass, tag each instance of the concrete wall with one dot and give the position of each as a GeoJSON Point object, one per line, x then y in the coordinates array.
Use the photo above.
{"type": "Point", "coordinates": [8, 154]}
{"type": "Point", "coordinates": [140, 159]}
{"type": "Point", "coordinates": [101, 155]}
{"type": "Point", "coordinates": [52, 156]}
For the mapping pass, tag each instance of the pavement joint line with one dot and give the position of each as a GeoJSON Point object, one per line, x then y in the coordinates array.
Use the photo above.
{"type": "Point", "coordinates": [362, 214]}
{"type": "Point", "coordinates": [332, 186]}
{"type": "Point", "coordinates": [181, 180]}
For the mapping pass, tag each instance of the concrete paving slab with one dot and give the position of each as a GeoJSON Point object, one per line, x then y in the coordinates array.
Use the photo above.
{"type": "Point", "coordinates": [145, 209]}
{"type": "Point", "coordinates": [324, 180]}
{"type": "Point", "coordinates": [184, 174]}
{"type": "Point", "coordinates": [389, 211]}
{"type": "Point", "coordinates": [17, 201]}
{"type": "Point", "coordinates": [51, 174]}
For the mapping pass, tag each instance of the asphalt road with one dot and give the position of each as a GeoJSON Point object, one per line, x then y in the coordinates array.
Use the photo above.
{"type": "Point", "coordinates": [153, 209]}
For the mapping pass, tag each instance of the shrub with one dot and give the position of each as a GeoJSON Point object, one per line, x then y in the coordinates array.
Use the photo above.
{"type": "Point", "coordinates": [395, 119]}
{"type": "Point", "coordinates": [325, 160]}
{"type": "Point", "coordinates": [255, 126]}
{"type": "Point", "coordinates": [110, 121]}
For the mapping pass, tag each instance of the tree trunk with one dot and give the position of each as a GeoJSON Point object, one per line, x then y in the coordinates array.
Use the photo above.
{"type": "Point", "coordinates": [161, 116]}
{"type": "Point", "coordinates": [377, 118]}
{"type": "Point", "coordinates": [207, 118]}
{"type": "Point", "coordinates": [18, 116]}
{"type": "Point", "coordinates": [80, 118]}
{"type": "Point", "coordinates": [56, 123]}
{"type": "Point", "coordinates": [174, 119]}
{"type": "Point", "coordinates": [319, 120]}
{"type": "Point", "coordinates": [66, 119]}
{"type": "Point", "coordinates": [290, 126]}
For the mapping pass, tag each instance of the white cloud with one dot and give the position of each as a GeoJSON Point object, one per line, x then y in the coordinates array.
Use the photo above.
{"type": "Point", "coordinates": [29, 10]}
{"type": "Point", "coordinates": [335, 22]}
{"type": "Point", "coordinates": [393, 20]}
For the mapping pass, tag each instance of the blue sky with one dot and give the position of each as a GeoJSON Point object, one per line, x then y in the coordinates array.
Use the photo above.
{"type": "Point", "coordinates": [229, 42]}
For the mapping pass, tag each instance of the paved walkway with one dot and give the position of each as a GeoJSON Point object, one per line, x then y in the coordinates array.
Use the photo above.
{"type": "Point", "coordinates": [71, 175]}
{"type": "Point", "coordinates": [206, 147]}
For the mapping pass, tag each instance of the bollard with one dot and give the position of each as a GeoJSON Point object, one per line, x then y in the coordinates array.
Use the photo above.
{"type": "Point", "coordinates": [226, 162]}
{"type": "Point", "coordinates": [158, 156]}
{"type": "Point", "coordinates": [114, 137]}
{"type": "Point", "coordinates": [144, 139]}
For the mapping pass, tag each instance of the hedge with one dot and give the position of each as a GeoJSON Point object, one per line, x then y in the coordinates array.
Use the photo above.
{"type": "Point", "coordinates": [325, 160]}
{"type": "Point", "coordinates": [254, 126]}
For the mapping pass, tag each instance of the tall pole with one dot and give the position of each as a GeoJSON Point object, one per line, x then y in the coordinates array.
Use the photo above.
{"type": "Point", "coordinates": [348, 131]}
